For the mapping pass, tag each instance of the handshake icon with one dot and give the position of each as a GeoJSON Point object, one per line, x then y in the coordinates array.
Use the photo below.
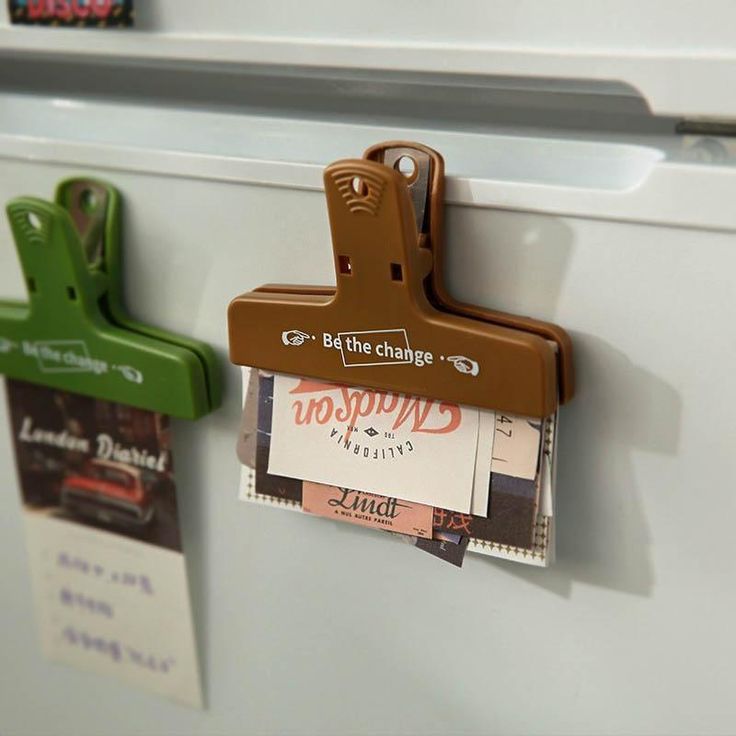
{"type": "Point", "coordinates": [294, 337]}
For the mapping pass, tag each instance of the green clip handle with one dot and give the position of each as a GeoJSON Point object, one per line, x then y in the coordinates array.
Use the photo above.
{"type": "Point", "coordinates": [73, 333]}
{"type": "Point", "coordinates": [95, 207]}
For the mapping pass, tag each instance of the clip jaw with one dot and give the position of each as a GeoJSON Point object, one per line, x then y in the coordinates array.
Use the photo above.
{"type": "Point", "coordinates": [73, 333]}
{"type": "Point", "coordinates": [379, 329]}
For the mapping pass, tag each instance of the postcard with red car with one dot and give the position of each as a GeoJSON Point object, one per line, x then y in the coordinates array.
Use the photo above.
{"type": "Point", "coordinates": [99, 500]}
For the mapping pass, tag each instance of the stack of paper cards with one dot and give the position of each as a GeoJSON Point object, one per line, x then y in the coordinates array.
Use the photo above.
{"type": "Point", "coordinates": [448, 478]}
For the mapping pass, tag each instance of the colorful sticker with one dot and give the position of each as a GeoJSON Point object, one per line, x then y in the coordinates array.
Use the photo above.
{"type": "Point", "coordinates": [75, 13]}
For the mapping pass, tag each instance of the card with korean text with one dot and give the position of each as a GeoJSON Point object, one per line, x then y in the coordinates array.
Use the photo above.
{"type": "Point", "coordinates": [108, 572]}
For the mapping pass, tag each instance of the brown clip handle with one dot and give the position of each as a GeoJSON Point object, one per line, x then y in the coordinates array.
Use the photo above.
{"type": "Point", "coordinates": [377, 257]}
{"type": "Point", "coordinates": [380, 330]}
{"type": "Point", "coordinates": [428, 197]}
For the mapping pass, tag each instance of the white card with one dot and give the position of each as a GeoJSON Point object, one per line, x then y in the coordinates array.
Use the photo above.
{"type": "Point", "coordinates": [396, 445]}
{"type": "Point", "coordinates": [549, 458]}
{"type": "Point", "coordinates": [516, 446]}
{"type": "Point", "coordinates": [113, 606]}
{"type": "Point", "coordinates": [483, 459]}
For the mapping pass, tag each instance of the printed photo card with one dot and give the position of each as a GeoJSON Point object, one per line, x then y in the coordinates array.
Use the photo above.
{"type": "Point", "coordinates": [97, 487]}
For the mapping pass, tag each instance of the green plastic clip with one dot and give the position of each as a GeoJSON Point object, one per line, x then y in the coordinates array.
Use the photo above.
{"type": "Point", "coordinates": [74, 333]}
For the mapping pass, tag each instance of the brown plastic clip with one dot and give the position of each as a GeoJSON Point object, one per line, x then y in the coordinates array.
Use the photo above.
{"type": "Point", "coordinates": [389, 324]}
{"type": "Point", "coordinates": [425, 171]}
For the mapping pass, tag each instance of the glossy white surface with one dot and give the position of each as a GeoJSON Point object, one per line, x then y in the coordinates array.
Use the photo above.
{"type": "Point", "coordinates": [306, 627]}
{"type": "Point", "coordinates": [677, 54]}
{"type": "Point", "coordinates": [688, 181]}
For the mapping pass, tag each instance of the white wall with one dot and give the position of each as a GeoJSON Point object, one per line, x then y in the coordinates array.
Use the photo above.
{"type": "Point", "coordinates": [306, 627]}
